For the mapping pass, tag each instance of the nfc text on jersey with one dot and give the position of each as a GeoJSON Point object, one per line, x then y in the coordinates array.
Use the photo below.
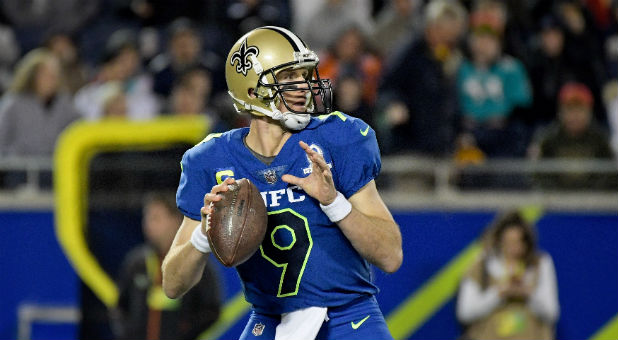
{"type": "Point", "coordinates": [272, 198]}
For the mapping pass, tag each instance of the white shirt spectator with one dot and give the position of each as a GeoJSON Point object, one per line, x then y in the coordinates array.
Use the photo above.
{"type": "Point", "coordinates": [473, 303]}
{"type": "Point", "coordinates": [142, 104]}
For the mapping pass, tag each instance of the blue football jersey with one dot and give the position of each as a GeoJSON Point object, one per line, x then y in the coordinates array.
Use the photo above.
{"type": "Point", "coordinates": [304, 260]}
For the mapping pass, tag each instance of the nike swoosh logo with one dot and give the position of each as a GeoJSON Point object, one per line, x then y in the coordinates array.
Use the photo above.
{"type": "Point", "coordinates": [364, 133]}
{"type": "Point", "coordinates": [358, 324]}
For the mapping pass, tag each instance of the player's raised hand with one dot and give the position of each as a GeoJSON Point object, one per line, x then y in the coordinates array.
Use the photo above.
{"type": "Point", "coordinates": [319, 184]}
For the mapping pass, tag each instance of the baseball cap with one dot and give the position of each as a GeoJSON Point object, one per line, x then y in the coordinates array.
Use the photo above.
{"type": "Point", "coordinates": [573, 92]}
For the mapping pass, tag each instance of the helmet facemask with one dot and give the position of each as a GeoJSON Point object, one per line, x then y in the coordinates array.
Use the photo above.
{"type": "Point", "coordinates": [318, 92]}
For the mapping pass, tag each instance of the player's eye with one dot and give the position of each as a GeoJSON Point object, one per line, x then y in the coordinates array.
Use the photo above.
{"type": "Point", "coordinates": [289, 88]}
{"type": "Point", "coordinates": [285, 75]}
{"type": "Point", "coordinates": [293, 75]}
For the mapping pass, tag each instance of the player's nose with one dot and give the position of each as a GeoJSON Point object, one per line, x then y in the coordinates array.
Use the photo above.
{"type": "Point", "coordinates": [300, 78]}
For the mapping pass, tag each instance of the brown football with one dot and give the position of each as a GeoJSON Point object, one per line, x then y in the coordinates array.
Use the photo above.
{"type": "Point", "coordinates": [237, 225]}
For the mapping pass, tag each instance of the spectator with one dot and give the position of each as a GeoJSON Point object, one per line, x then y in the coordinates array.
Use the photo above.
{"type": "Point", "coordinates": [517, 19]}
{"type": "Point", "coordinates": [584, 51]}
{"type": "Point", "coordinates": [302, 12]}
{"type": "Point", "coordinates": [186, 101]}
{"type": "Point", "coordinates": [121, 63]}
{"type": "Point", "coordinates": [199, 83]}
{"type": "Point", "coordinates": [495, 12]}
{"type": "Point", "coordinates": [348, 98]}
{"type": "Point", "coordinates": [610, 97]}
{"type": "Point", "coordinates": [600, 12]}
{"type": "Point", "coordinates": [610, 89]}
{"type": "Point", "coordinates": [9, 53]}
{"type": "Point", "coordinates": [568, 51]}
{"type": "Point", "coordinates": [467, 153]}
{"type": "Point", "coordinates": [35, 109]}
{"type": "Point", "coordinates": [331, 18]}
{"type": "Point", "coordinates": [511, 292]}
{"type": "Point", "coordinates": [184, 52]}
{"type": "Point", "coordinates": [114, 101]}
{"type": "Point", "coordinates": [349, 54]}
{"type": "Point", "coordinates": [549, 70]}
{"type": "Point", "coordinates": [574, 136]}
{"type": "Point", "coordinates": [242, 16]}
{"type": "Point", "coordinates": [33, 20]}
{"type": "Point", "coordinates": [611, 43]}
{"type": "Point", "coordinates": [75, 72]}
{"type": "Point", "coordinates": [143, 310]}
{"type": "Point", "coordinates": [160, 13]}
{"type": "Point", "coordinates": [418, 91]}
{"type": "Point", "coordinates": [491, 85]}
{"type": "Point", "coordinates": [396, 25]}
{"type": "Point", "coordinates": [191, 96]}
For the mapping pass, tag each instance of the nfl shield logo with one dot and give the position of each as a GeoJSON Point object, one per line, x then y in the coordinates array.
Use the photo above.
{"type": "Point", "coordinates": [258, 329]}
{"type": "Point", "coordinates": [270, 176]}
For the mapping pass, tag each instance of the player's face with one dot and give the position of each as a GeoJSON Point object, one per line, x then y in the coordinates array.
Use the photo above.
{"type": "Point", "coordinates": [297, 98]}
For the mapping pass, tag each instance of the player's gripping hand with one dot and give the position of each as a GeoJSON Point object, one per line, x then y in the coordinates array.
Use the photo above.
{"type": "Point", "coordinates": [319, 184]}
{"type": "Point", "coordinates": [213, 196]}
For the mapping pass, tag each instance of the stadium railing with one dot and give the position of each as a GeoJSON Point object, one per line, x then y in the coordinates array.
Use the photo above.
{"type": "Point", "coordinates": [406, 181]}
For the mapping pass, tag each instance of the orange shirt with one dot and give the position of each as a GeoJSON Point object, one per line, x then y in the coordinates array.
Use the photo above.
{"type": "Point", "coordinates": [368, 66]}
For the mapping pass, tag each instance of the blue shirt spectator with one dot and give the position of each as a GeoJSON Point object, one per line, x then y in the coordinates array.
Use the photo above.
{"type": "Point", "coordinates": [492, 92]}
{"type": "Point", "coordinates": [491, 86]}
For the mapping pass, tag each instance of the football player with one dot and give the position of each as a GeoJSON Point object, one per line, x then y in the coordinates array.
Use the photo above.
{"type": "Point", "coordinates": [315, 170]}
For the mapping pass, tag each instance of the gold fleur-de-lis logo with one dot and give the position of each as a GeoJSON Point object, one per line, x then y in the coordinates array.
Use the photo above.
{"type": "Point", "coordinates": [242, 56]}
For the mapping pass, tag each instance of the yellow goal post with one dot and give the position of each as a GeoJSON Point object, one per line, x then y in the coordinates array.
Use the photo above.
{"type": "Point", "coordinates": [75, 148]}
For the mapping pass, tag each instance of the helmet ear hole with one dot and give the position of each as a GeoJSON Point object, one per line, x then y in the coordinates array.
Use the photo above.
{"type": "Point", "coordinates": [251, 93]}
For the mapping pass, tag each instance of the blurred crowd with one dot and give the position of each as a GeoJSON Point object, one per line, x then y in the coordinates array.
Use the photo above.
{"type": "Point", "coordinates": [468, 80]}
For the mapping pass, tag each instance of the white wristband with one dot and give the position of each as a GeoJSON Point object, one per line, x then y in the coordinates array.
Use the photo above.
{"type": "Point", "coordinates": [200, 241]}
{"type": "Point", "coordinates": [338, 209]}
